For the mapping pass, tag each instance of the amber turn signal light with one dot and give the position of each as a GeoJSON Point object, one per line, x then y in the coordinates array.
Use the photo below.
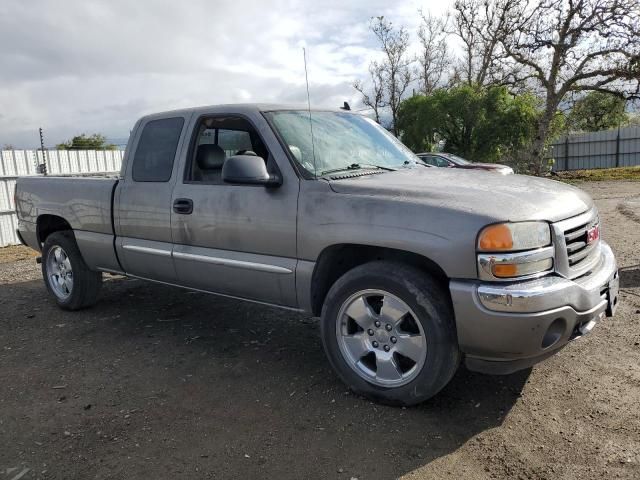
{"type": "Point", "coordinates": [505, 270]}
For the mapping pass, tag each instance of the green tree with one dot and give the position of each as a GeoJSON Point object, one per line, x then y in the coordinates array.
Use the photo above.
{"type": "Point", "coordinates": [633, 120]}
{"type": "Point", "coordinates": [481, 124]}
{"type": "Point", "coordinates": [86, 142]}
{"type": "Point", "coordinates": [563, 48]}
{"type": "Point", "coordinates": [598, 111]}
{"type": "Point", "coordinates": [413, 123]}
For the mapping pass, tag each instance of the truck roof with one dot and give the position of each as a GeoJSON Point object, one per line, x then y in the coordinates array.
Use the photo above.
{"type": "Point", "coordinates": [239, 108]}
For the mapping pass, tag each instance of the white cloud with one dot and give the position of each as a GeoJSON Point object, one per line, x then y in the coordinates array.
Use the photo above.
{"type": "Point", "coordinates": [95, 66]}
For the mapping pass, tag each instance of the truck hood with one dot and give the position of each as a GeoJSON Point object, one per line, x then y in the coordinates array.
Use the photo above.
{"type": "Point", "coordinates": [498, 197]}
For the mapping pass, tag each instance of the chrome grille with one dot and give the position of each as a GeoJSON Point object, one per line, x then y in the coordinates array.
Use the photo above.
{"type": "Point", "coordinates": [578, 247]}
{"type": "Point", "coordinates": [575, 256]}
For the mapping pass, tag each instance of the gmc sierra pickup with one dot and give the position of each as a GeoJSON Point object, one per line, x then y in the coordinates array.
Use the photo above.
{"type": "Point", "coordinates": [411, 269]}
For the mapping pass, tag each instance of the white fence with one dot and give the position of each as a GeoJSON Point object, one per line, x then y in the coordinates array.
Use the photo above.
{"type": "Point", "coordinates": [604, 149]}
{"type": "Point", "coordinates": [15, 163]}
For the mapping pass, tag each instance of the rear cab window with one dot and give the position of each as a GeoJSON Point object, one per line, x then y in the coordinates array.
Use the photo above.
{"type": "Point", "coordinates": [156, 151]}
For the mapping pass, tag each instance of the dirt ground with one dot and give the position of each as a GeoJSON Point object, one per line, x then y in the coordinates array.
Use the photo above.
{"type": "Point", "coordinates": [156, 382]}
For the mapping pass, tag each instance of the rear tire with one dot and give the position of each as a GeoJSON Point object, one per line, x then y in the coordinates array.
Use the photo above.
{"type": "Point", "coordinates": [68, 279]}
{"type": "Point", "coordinates": [403, 348]}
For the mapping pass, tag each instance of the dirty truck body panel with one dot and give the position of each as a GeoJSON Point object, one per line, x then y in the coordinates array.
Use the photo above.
{"type": "Point", "coordinates": [142, 209]}
{"type": "Point", "coordinates": [178, 223]}
{"type": "Point", "coordinates": [84, 203]}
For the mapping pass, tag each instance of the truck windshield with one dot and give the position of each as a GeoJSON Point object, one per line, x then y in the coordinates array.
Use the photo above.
{"type": "Point", "coordinates": [341, 141]}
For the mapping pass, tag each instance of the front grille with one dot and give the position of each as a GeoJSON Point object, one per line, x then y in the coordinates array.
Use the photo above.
{"type": "Point", "coordinates": [575, 256]}
{"type": "Point", "coordinates": [578, 248]}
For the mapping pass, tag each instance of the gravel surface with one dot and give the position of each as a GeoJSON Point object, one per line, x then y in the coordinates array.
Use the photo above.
{"type": "Point", "coordinates": [156, 382]}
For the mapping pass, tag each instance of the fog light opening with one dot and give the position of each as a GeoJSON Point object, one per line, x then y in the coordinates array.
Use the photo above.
{"type": "Point", "coordinates": [554, 333]}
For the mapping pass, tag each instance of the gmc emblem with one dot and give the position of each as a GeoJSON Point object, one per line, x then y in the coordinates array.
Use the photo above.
{"type": "Point", "coordinates": [593, 234]}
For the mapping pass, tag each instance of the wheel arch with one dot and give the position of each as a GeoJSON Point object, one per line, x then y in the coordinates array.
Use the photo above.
{"type": "Point", "coordinates": [47, 224]}
{"type": "Point", "coordinates": [335, 260]}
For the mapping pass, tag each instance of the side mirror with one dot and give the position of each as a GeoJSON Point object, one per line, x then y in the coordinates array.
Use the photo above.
{"type": "Point", "coordinates": [248, 170]}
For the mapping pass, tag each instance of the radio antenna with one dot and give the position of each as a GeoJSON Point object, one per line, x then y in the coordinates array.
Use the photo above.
{"type": "Point", "coordinates": [306, 78]}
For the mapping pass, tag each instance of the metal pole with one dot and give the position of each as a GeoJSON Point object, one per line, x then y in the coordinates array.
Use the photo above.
{"type": "Point", "coordinates": [43, 167]}
{"type": "Point", "coordinates": [566, 152]}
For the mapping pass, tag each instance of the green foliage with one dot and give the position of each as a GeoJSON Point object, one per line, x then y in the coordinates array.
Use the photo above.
{"type": "Point", "coordinates": [413, 123]}
{"type": "Point", "coordinates": [558, 126]}
{"type": "Point", "coordinates": [86, 142]}
{"type": "Point", "coordinates": [597, 111]}
{"type": "Point", "coordinates": [633, 120]}
{"type": "Point", "coordinates": [481, 124]}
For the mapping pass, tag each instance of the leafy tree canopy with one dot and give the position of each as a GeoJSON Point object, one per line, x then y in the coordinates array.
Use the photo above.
{"type": "Point", "coordinates": [597, 111]}
{"type": "Point", "coordinates": [86, 142]}
{"type": "Point", "coordinates": [481, 124]}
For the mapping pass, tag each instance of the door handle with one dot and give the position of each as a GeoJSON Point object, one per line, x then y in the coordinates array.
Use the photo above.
{"type": "Point", "coordinates": [183, 206]}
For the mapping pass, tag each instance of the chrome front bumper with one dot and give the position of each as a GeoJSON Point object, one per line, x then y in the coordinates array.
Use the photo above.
{"type": "Point", "coordinates": [506, 327]}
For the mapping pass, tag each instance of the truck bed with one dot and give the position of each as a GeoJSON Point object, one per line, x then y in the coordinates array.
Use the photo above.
{"type": "Point", "coordinates": [84, 202]}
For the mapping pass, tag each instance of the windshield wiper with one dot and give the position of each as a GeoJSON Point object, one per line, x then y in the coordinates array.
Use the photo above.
{"type": "Point", "coordinates": [356, 166]}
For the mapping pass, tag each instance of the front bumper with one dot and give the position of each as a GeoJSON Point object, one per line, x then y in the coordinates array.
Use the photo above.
{"type": "Point", "coordinates": [503, 328]}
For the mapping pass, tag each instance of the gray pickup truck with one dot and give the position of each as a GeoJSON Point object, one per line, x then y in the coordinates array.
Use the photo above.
{"type": "Point", "coordinates": [411, 269]}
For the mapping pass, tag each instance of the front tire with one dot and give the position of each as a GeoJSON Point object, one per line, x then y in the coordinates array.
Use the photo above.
{"type": "Point", "coordinates": [389, 332]}
{"type": "Point", "coordinates": [66, 275]}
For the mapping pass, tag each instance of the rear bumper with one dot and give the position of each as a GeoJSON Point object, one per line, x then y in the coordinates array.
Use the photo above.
{"type": "Point", "coordinates": [20, 239]}
{"type": "Point", "coordinates": [503, 328]}
{"type": "Point", "coordinates": [27, 234]}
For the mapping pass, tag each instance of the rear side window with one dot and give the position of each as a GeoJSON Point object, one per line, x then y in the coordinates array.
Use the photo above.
{"type": "Point", "coordinates": [153, 161]}
{"type": "Point", "coordinates": [441, 162]}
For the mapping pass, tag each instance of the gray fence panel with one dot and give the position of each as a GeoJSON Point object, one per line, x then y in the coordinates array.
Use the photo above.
{"type": "Point", "coordinates": [605, 149]}
{"type": "Point", "coordinates": [15, 163]}
{"type": "Point", "coordinates": [629, 146]}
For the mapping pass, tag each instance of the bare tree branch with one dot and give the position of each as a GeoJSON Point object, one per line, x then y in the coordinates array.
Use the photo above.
{"type": "Point", "coordinates": [480, 24]}
{"type": "Point", "coordinates": [434, 56]}
{"type": "Point", "coordinates": [572, 46]}
{"type": "Point", "coordinates": [375, 100]}
{"type": "Point", "coordinates": [391, 76]}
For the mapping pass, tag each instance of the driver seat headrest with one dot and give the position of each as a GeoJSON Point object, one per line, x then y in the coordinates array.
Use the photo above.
{"type": "Point", "coordinates": [210, 157]}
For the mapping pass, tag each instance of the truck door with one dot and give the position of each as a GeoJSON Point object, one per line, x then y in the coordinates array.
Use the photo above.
{"type": "Point", "coordinates": [143, 199]}
{"type": "Point", "coordinates": [237, 240]}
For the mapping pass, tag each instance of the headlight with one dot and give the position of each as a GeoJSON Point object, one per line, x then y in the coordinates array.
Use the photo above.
{"type": "Point", "coordinates": [507, 237]}
{"type": "Point", "coordinates": [514, 251]}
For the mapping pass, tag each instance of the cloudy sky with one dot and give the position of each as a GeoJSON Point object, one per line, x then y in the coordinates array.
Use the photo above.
{"type": "Point", "coordinates": [97, 65]}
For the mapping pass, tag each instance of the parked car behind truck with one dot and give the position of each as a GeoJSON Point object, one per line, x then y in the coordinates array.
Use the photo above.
{"type": "Point", "coordinates": [447, 160]}
{"type": "Point", "coordinates": [411, 269]}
